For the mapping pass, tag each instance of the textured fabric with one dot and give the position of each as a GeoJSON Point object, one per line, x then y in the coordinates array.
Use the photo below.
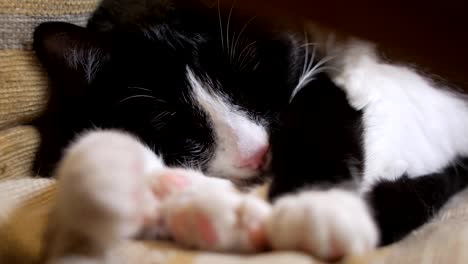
{"type": "Point", "coordinates": [25, 201]}
{"type": "Point", "coordinates": [23, 84]}
{"type": "Point", "coordinates": [17, 148]}
{"type": "Point", "coordinates": [23, 92]}
{"type": "Point", "coordinates": [16, 29]}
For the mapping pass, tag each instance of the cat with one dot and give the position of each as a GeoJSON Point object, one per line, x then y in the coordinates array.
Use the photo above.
{"type": "Point", "coordinates": [165, 107]}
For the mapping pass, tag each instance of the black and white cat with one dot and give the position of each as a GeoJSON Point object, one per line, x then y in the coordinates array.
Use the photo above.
{"type": "Point", "coordinates": [165, 93]}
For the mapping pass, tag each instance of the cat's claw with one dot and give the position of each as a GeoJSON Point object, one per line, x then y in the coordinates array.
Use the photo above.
{"type": "Point", "coordinates": [327, 224]}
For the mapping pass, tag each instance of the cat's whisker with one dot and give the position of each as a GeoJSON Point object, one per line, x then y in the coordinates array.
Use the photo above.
{"type": "Point", "coordinates": [242, 31]}
{"type": "Point", "coordinates": [309, 69]}
{"type": "Point", "coordinates": [309, 76]}
{"type": "Point", "coordinates": [308, 44]}
{"type": "Point", "coordinates": [232, 51]}
{"type": "Point", "coordinates": [320, 63]}
{"type": "Point", "coordinates": [312, 58]}
{"type": "Point", "coordinates": [228, 24]}
{"type": "Point", "coordinates": [306, 57]}
{"type": "Point", "coordinates": [248, 54]}
{"type": "Point", "coordinates": [157, 119]}
{"type": "Point", "coordinates": [220, 25]}
{"type": "Point", "coordinates": [139, 88]}
{"type": "Point", "coordinates": [247, 48]}
{"type": "Point", "coordinates": [140, 96]}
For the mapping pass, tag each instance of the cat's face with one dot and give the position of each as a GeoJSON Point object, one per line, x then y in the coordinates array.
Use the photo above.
{"type": "Point", "coordinates": [196, 90]}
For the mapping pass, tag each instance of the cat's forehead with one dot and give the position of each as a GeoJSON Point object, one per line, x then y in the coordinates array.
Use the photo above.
{"type": "Point", "coordinates": [241, 62]}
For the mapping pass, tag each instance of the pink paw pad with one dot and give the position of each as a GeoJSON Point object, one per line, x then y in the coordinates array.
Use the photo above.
{"type": "Point", "coordinates": [170, 183]}
{"type": "Point", "coordinates": [189, 225]}
{"type": "Point", "coordinates": [255, 229]}
{"type": "Point", "coordinates": [206, 229]}
{"type": "Point", "coordinates": [258, 237]}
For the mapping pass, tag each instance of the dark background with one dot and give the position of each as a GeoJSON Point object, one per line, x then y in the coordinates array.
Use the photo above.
{"type": "Point", "coordinates": [430, 34]}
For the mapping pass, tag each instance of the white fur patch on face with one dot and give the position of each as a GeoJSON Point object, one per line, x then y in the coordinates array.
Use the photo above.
{"type": "Point", "coordinates": [238, 138]}
{"type": "Point", "coordinates": [410, 125]}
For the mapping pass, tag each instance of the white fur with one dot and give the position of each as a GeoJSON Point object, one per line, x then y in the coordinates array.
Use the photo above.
{"type": "Point", "coordinates": [103, 193]}
{"type": "Point", "coordinates": [237, 135]}
{"type": "Point", "coordinates": [111, 187]}
{"type": "Point", "coordinates": [410, 125]}
{"type": "Point", "coordinates": [328, 224]}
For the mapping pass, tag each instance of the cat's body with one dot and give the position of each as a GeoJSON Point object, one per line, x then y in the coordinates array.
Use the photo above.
{"type": "Point", "coordinates": [360, 151]}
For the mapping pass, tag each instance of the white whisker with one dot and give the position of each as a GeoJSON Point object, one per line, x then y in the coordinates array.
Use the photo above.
{"type": "Point", "coordinates": [246, 49]}
{"type": "Point", "coordinates": [306, 57]}
{"type": "Point", "coordinates": [242, 31]}
{"type": "Point", "coordinates": [157, 121]}
{"type": "Point", "coordinates": [220, 24]}
{"type": "Point", "coordinates": [139, 88]}
{"type": "Point", "coordinates": [321, 62]}
{"type": "Point", "coordinates": [232, 52]}
{"type": "Point", "coordinates": [308, 44]}
{"type": "Point", "coordinates": [311, 62]}
{"type": "Point", "coordinates": [248, 54]}
{"type": "Point", "coordinates": [160, 116]}
{"type": "Point", "coordinates": [310, 74]}
{"type": "Point", "coordinates": [138, 96]}
{"type": "Point", "coordinates": [228, 24]}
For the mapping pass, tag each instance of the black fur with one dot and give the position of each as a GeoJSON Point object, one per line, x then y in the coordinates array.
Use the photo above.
{"type": "Point", "coordinates": [318, 140]}
{"type": "Point", "coordinates": [402, 205]}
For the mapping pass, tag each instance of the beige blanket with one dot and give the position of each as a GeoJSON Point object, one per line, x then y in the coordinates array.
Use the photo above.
{"type": "Point", "coordinates": [26, 200]}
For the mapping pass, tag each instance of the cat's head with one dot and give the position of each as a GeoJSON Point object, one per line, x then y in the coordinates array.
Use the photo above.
{"type": "Point", "coordinates": [201, 88]}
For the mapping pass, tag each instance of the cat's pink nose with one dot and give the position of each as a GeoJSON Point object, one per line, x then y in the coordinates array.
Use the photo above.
{"type": "Point", "coordinates": [255, 160]}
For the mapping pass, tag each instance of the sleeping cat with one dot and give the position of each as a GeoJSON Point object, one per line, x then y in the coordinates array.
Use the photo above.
{"type": "Point", "coordinates": [166, 105]}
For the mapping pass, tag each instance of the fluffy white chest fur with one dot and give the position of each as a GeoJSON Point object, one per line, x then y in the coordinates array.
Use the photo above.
{"type": "Point", "coordinates": [412, 125]}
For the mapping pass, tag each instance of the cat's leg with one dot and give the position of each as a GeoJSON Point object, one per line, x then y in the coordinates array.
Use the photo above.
{"type": "Point", "coordinates": [334, 223]}
{"type": "Point", "coordinates": [211, 214]}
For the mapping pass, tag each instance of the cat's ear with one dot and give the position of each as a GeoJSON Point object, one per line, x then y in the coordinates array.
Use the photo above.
{"type": "Point", "coordinates": [70, 51]}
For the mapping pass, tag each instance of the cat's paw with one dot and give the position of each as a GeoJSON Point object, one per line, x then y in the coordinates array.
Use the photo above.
{"type": "Point", "coordinates": [102, 192]}
{"type": "Point", "coordinates": [212, 215]}
{"type": "Point", "coordinates": [328, 224]}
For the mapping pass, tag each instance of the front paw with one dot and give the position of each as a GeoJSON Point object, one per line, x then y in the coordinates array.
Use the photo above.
{"type": "Point", "coordinates": [212, 215]}
{"type": "Point", "coordinates": [328, 224]}
{"type": "Point", "coordinates": [102, 196]}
